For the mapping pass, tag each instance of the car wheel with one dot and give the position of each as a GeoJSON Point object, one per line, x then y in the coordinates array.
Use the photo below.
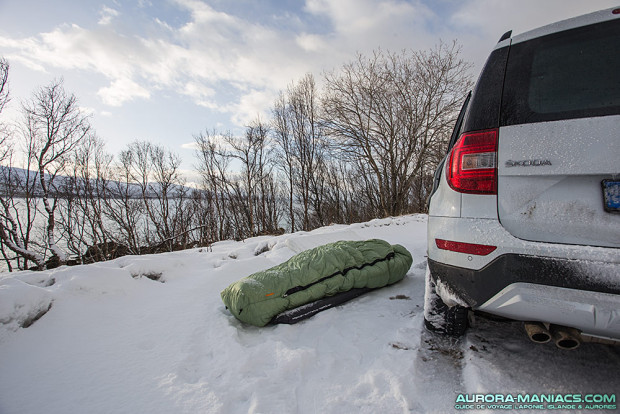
{"type": "Point", "coordinates": [439, 317]}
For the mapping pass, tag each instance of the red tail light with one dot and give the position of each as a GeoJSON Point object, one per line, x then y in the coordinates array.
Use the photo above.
{"type": "Point", "coordinates": [473, 163]}
{"type": "Point", "coordinates": [469, 248]}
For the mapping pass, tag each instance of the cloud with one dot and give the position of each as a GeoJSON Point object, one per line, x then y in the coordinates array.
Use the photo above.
{"type": "Point", "coordinates": [119, 58]}
{"type": "Point", "coordinates": [252, 105]}
{"type": "Point", "coordinates": [190, 146]}
{"type": "Point", "coordinates": [106, 15]}
{"type": "Point", "coordinates": [311, 42]}
{"type": "Point", "coordinates": [221, 61]}
{"type": "Point", "coordinates": [218, 139]}
{"type": "Point", "coordinates": [519, 17]}
{"type": "Point", "coordinates": [364, 20]}
{"type": "Point", "coordinates": [121, 91]}
{"type": "Point", "coordinates": [201, 93]}
{"type": "Point", "coordinates": [87, 110]}
{"type": "Point", "coordinates": [73, 47]}
{"type": "Point", "coordinates": [236, 65]}
{"type": "Point", "coordinates": [27, 62]}
{"type": "Point", "coordinates": [217, 59]}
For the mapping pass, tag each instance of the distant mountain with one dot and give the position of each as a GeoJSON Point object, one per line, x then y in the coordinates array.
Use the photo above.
{"type": "Point", "coordinates": [66, 186]}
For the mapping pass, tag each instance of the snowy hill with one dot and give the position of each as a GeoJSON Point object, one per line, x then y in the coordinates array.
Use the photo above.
{"type": "Point", "coordinates": [150, 334]}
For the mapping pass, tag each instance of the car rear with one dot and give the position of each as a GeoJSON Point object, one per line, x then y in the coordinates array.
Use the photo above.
{"type": "Point", "coordinates": [525, 222]}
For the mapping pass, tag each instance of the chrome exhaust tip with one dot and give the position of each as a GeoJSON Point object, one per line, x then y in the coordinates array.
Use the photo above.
{"type": "Point", "coordinates": [565, 338]}
{"type": "Point", "coordinates": [537, 332]}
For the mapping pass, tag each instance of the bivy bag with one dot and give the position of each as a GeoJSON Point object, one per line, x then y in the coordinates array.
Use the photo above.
{"type": "Point", "coordinates": [313, 275]}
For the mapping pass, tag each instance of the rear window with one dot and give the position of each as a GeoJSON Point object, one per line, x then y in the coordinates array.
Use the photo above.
{"type": "Point", "coordinates": [571, 74]}
{"type": "Point", "coordinates": [484, 105]}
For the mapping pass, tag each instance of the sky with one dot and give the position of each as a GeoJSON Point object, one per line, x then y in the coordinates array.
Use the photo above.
{"type": "Point", "coordinates": [165, 70]}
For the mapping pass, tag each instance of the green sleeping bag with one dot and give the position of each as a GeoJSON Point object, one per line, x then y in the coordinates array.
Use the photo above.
{"type": "Point", "coordinates": [313, 274]}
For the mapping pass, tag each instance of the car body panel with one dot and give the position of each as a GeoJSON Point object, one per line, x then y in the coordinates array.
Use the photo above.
{"type": "Point", "coordinates": [549, 180]}
{"type": "Point", "coordinates": [445, 202]}
{"type": "Point", "coordinates": [491, 232]}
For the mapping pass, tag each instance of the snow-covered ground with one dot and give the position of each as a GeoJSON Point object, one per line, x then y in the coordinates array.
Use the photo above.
{"type": "Point", "coordinates": [117, 341]}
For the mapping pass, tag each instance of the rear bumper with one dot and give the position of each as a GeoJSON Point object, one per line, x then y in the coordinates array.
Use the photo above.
{"type": "Point", "coordinates": [476, 287]}
{"type": "Point", "coordinates": [593, 313]}
{"type": "Point", "coordinates": [583, 294]}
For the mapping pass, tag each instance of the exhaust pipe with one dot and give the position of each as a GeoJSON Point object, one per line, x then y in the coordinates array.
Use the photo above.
{"type": "Point", "coordinates": [537, 332]}
{"type": "Point", "coordinates": [599, 340]}
{"type": "Point", "coordinates": [565, 338]}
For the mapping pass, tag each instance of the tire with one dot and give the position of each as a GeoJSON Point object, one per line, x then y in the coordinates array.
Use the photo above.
{"type": "Point", "coordinates": [441, 318]}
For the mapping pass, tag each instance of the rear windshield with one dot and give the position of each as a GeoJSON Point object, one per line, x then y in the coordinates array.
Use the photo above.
{"type": "Point", "coordinates": [571, 74]}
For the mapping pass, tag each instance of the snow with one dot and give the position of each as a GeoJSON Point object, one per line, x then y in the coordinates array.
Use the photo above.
{"type": "Point", "coordinates": [150, 334]}
{"type": "Point", "coordinates": [448, 296]}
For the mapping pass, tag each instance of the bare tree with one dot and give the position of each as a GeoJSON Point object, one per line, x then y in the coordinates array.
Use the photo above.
{"type": "Point", "coordinates": [169, 194]}
{"type": "Point", "coordinates": [54, 126]}
{"type": "Point", "coordinates": [4, 100]}
{"type": "Point", "coordinates": [151, 174]}
{"type": "Point", "coordinates": [239, 187]}
{"type": "Point", "coordinates": [85, 190]}
{"type": "Point", "coordinates": [17, 195]}
{"type": "Point", "coordinates": [251, 192]}
{"type": "Point", "coordinates": [302, 151]}
{"type": "Point", "coordinates": [17, 218]}
{"type": "Point", "coordinates": [5, 150]}
{"type": "Point", "coordinates": [213, 168]}
{"type": "Point", "coordinates": [18, 212]}
{"type": "Point", "coordinates": [390, 114]}
{"type": "Point", "coordinates": [285, 157]}
{"type": "Point", "coordinates": [124, 208]}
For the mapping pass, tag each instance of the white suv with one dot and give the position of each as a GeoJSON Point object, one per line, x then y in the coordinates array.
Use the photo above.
{"type": "Point", "coordinates": [524, 218]}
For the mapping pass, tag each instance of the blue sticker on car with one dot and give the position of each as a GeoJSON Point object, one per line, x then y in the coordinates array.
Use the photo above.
{"type": "Point", "coordinates": [611, 195]}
